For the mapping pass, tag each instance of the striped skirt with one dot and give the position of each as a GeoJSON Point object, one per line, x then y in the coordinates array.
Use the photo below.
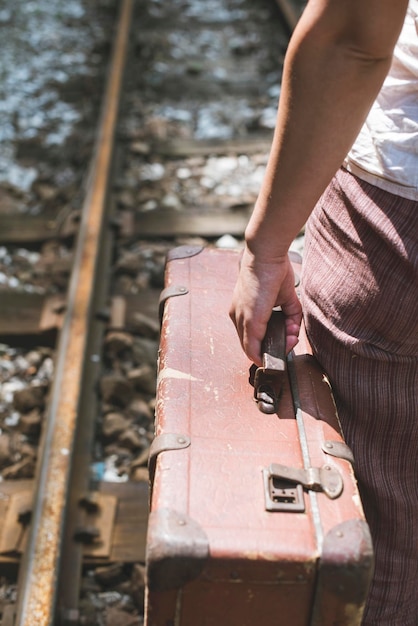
{"type": "Point", "coordinates": [360, 301]}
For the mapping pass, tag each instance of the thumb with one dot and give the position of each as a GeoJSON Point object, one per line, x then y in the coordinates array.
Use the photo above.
{"type": "Point", "coordinates": [292, 310]}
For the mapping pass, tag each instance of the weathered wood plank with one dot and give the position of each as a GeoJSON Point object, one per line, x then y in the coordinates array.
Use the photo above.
{"type": "Point", "coordinates": [181, 147]}
{"type": "Point", "coordinates": [131, 522]}
{"type": "Point", "coordinates": [127, 312]}
{"type": "Point", "coordinates": [129, 525]}
{"type": "Point", "coordinates": [167, 223]}
{"type": "Point", "coordinates": [29, 315]}
{"type": "Point", "coordinates": [34, 229]}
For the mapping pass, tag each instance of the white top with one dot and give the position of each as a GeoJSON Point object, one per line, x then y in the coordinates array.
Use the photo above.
{"type": "Point", "coordinates": [385, 152]}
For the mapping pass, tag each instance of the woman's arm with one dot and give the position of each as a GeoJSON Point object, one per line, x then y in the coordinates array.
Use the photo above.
{"type": "Point", "coordinates": [336, 62]}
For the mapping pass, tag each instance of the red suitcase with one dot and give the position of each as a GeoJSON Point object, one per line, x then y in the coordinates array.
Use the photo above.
{"type": "Point", "coordinates": [255, 518]}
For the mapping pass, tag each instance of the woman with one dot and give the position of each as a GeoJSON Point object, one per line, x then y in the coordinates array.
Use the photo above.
{"type": "Point", "coordinates": [345, 153]}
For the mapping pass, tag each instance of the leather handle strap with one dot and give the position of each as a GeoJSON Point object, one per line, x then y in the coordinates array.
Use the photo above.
{"type": "Point", "coordinates": [268, 379]}
{"type": "Point", "coordinates": [274, 343]}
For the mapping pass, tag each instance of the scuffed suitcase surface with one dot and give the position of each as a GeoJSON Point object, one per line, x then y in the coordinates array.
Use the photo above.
{"type": "Point", "coordinates": [215, 555]}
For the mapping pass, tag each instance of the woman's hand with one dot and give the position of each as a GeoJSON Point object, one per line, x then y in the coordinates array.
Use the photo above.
{"type": "Point", "coordinates": [263, 284]}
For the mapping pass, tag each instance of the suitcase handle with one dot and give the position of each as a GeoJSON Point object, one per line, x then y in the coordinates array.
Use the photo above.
{"type": "Point", "coordinates": [268, 379]}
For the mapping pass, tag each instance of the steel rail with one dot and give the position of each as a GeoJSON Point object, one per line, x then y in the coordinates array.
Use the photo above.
{"type": "Point", "coordinates": [39, 568]}
{"type": "Point", "coordinates": [289, 13]}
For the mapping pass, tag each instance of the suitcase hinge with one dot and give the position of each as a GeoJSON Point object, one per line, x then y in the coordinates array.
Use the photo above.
{"type": "Point", "coordinates": [163, 442]}
{"type": "Point", "coordinates": [183, 252]}
{"type": "Point", "coordinates": [170, 292]}
{"type": "Point", "coordinates": [339, 449]}
{"type": "Point", "coordinates": [283, 485]}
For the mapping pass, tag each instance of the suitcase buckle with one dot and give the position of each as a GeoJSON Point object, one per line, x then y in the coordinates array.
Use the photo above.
{"type": "Point", "coordinates": [283, 485]}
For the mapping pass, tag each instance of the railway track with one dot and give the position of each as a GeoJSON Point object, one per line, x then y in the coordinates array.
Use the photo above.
{"type": "Point", "coordinates": [159, 176]}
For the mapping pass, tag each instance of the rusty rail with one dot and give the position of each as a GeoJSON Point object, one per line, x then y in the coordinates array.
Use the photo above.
{"type": "Point", "coordinates": [289, 13]}
{"type": "Point", "coordinates": [39, 569]}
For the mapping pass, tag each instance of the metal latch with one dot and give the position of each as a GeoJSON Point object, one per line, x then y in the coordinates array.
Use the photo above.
{"type": "Point", "coordinates": [283, 485]}
{"type": "Point", "coordinates": [282, 495]}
